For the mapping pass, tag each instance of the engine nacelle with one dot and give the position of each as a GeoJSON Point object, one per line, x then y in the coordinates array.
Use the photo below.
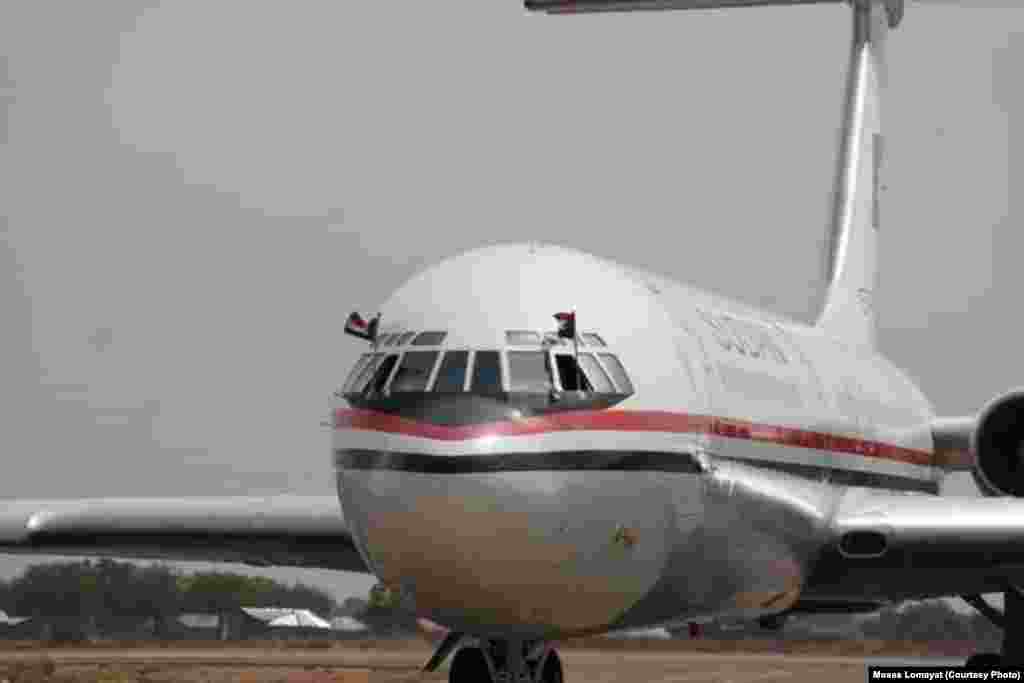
{"type": "Point", "coordinates": [998, 446]}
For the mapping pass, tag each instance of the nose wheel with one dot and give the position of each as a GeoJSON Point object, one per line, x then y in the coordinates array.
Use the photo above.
{"type": "Point", "coordinates": [499, 661]}
{"type": "Point", "coordinates": [470, 666]}
{"type": "Point", "coordinates": [551, 672]}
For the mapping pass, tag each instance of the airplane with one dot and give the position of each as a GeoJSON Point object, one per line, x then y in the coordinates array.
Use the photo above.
{"type": "Point", "coordinates": [659, 457]}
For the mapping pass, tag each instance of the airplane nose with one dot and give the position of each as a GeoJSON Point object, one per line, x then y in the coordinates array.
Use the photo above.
{"type": "Point", "coordinates": [552, 551]}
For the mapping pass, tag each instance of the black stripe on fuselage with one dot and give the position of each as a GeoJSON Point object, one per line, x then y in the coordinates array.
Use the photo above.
{"type": "Point", "coordinates": [657, 461]}
{"type": "Point", "coordinates": [608, 461]}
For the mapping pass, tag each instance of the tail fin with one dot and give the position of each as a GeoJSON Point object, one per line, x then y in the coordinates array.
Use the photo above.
{"type": "Point", "coordinates": [848, 309]}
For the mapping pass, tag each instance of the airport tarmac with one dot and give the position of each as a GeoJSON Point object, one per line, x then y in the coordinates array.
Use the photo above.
{"type": "Point", "coordinates": [351, 665]}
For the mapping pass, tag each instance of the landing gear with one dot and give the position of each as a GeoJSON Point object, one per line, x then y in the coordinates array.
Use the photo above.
{"type": "Point", "coordinates": [983, 661]}
{"type": "Point", "coordinates": [499, 661]}
{"type": "Point", "coordinates": [469, 666]}
{"type": "Point", "coordinates": [1011, 620]}
{"type": "Point", "coordinates": [551, 671]}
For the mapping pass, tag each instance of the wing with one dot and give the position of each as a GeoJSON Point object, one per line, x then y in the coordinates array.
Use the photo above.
{"type": "Point", "coordinates": [297, 531]}
{"type": "Point", "coordinates": [894, 546]}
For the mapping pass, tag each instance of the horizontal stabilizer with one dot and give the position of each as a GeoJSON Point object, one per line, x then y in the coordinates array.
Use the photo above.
{"type": "Point", "coordinates": [570, 7]}
{"type": "Point", "coordinates": [584, 6]}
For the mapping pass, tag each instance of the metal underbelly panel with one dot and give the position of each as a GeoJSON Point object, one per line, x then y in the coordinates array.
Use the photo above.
{"type": "Point", "coordinates": [521, 552]}
{"type": "Point", "coordinates": [749, 553]}
{"type": "Point", "coordinates": [557, 553]}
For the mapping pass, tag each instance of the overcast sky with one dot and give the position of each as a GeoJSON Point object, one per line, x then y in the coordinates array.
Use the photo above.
{"type": "Point", "coordinates": [194, 195]}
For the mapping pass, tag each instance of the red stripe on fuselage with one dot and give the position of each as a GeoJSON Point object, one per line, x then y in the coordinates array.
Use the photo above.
{"type": "Point", "coordinates": [632, 421]}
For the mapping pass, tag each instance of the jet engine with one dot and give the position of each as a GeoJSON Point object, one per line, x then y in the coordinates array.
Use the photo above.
{"type": "Point", "coordinates": [998, 446]}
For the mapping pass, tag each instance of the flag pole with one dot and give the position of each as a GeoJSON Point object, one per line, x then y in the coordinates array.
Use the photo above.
{"type": "Point", "coordinates": [372, 329]}
{"type": "Point", "coordinates": [576, 352]}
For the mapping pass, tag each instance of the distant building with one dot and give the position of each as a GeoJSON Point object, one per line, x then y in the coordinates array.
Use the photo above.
{"type": "Point", "coordinates": [11, 621]}
{"type": "Point", "coordinates": [197, 626]}
{"type": "Point", "coordinates": [280, 622]}
{"type": "Point", "coordinates": [245, 623]}
{"type": "Point", "coordinates": [348, 627]}
{"type": "Point", "coordinates": [254, 623]}
{"type": "Point", "coordinates": [74, 628]}
{"type": "Point", "coordinates": [284, 617]}
{"type": "Point", "coordinates": [17, 628]}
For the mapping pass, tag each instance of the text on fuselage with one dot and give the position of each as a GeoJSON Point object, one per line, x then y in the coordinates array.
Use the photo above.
{"type": "Point", "coordinates": [743, 337]}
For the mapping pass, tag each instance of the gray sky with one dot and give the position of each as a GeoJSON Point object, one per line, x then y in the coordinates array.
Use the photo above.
{"type": "Point", "coordinates": [194, 195]}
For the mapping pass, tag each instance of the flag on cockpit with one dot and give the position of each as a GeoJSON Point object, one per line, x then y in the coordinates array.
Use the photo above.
{"type": "Point", "coordinates": [356, 326]}
{"type": "Point", "coordinates": [566, 324]}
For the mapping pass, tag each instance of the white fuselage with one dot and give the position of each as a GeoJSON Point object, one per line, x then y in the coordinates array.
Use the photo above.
{"type": "Point", "coordinates": [706, 491]}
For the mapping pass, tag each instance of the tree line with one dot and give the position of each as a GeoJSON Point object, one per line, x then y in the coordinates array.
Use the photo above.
{"type": "Point", "coordinates": [102, 592]}
{"type": "Point", "coordinates": [108, 588]}
{"type": "Point", "coordinates": [98, 591]}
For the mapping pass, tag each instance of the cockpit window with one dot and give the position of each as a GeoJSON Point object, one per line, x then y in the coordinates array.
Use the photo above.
{"type": "Point", "coordinates": [404, 339]}
{"type": "Point", "coordinates": [529, 372]}
{"type": "Point", "coordinates": [380, 376]}
{"type": "Point", "coordinates": [487, 372]}
{"type": "Point", "coordinates": [570, 375]}
{"type": "Point", "coordinates": [365, 373]}
{"type": "Point", "coordinates": [592, 369]}
{"type": "Point", "coordinates": [618, 373]}
{"type": "Point", "coordinates": [356, 370]}
{"type": "Point", "coordinates": [414, 372]}
{"type": "Point", "coordinates": [429, 338]}
{"type": "Point", "coordinates": [522, 338]}
{"type": "Point", "coordinates": [552, 339]}
{"type": "Point", "coordinates": [452, 374]}
{"type": "Point", "coordinates": [591, 339]}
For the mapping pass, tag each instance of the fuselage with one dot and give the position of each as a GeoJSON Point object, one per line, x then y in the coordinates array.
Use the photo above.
{"type": "Point", "coordinates": [699, 484]}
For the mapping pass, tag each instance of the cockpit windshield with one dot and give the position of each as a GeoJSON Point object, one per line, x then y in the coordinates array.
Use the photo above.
{"type": "Point", "coordinates": [541, 371]}
{"type": "Point", "coordinates": [429, 338]}
{"type": "Point", "coordinates": [618, 372]}
{"type": "Point", "coordinates": [380, 376]}
{"type": "Point", "coordinates": [414, 372]}
{"type": "Point", "coordinates": [365, 373]}
{"type": "Point", "coordinates": [487, 373]}
{"type": "Point", "coordinates": [529, 372]}
{"type": "Point", "coordinates": [596, 374]}
{"type": "Point", "coordinates": [522, 338]}
{"type": "Point", "coordinates": [357, 369]}
{"type": "Point", "coordinates": [569, 374]}
{"type": "Point", "coordinates": [451, 376]}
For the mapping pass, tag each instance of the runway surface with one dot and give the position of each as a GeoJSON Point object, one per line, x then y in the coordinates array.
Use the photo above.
{"type": "Point", "coordinates": [351, 665]}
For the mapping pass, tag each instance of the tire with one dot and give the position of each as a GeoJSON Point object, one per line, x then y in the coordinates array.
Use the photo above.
{"type": "Point", "coordinates": [469, 666]}
{"type": "Point", "coordinates": [552, 669]}
{"type": "Point", "coordinates": [983, 661]}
